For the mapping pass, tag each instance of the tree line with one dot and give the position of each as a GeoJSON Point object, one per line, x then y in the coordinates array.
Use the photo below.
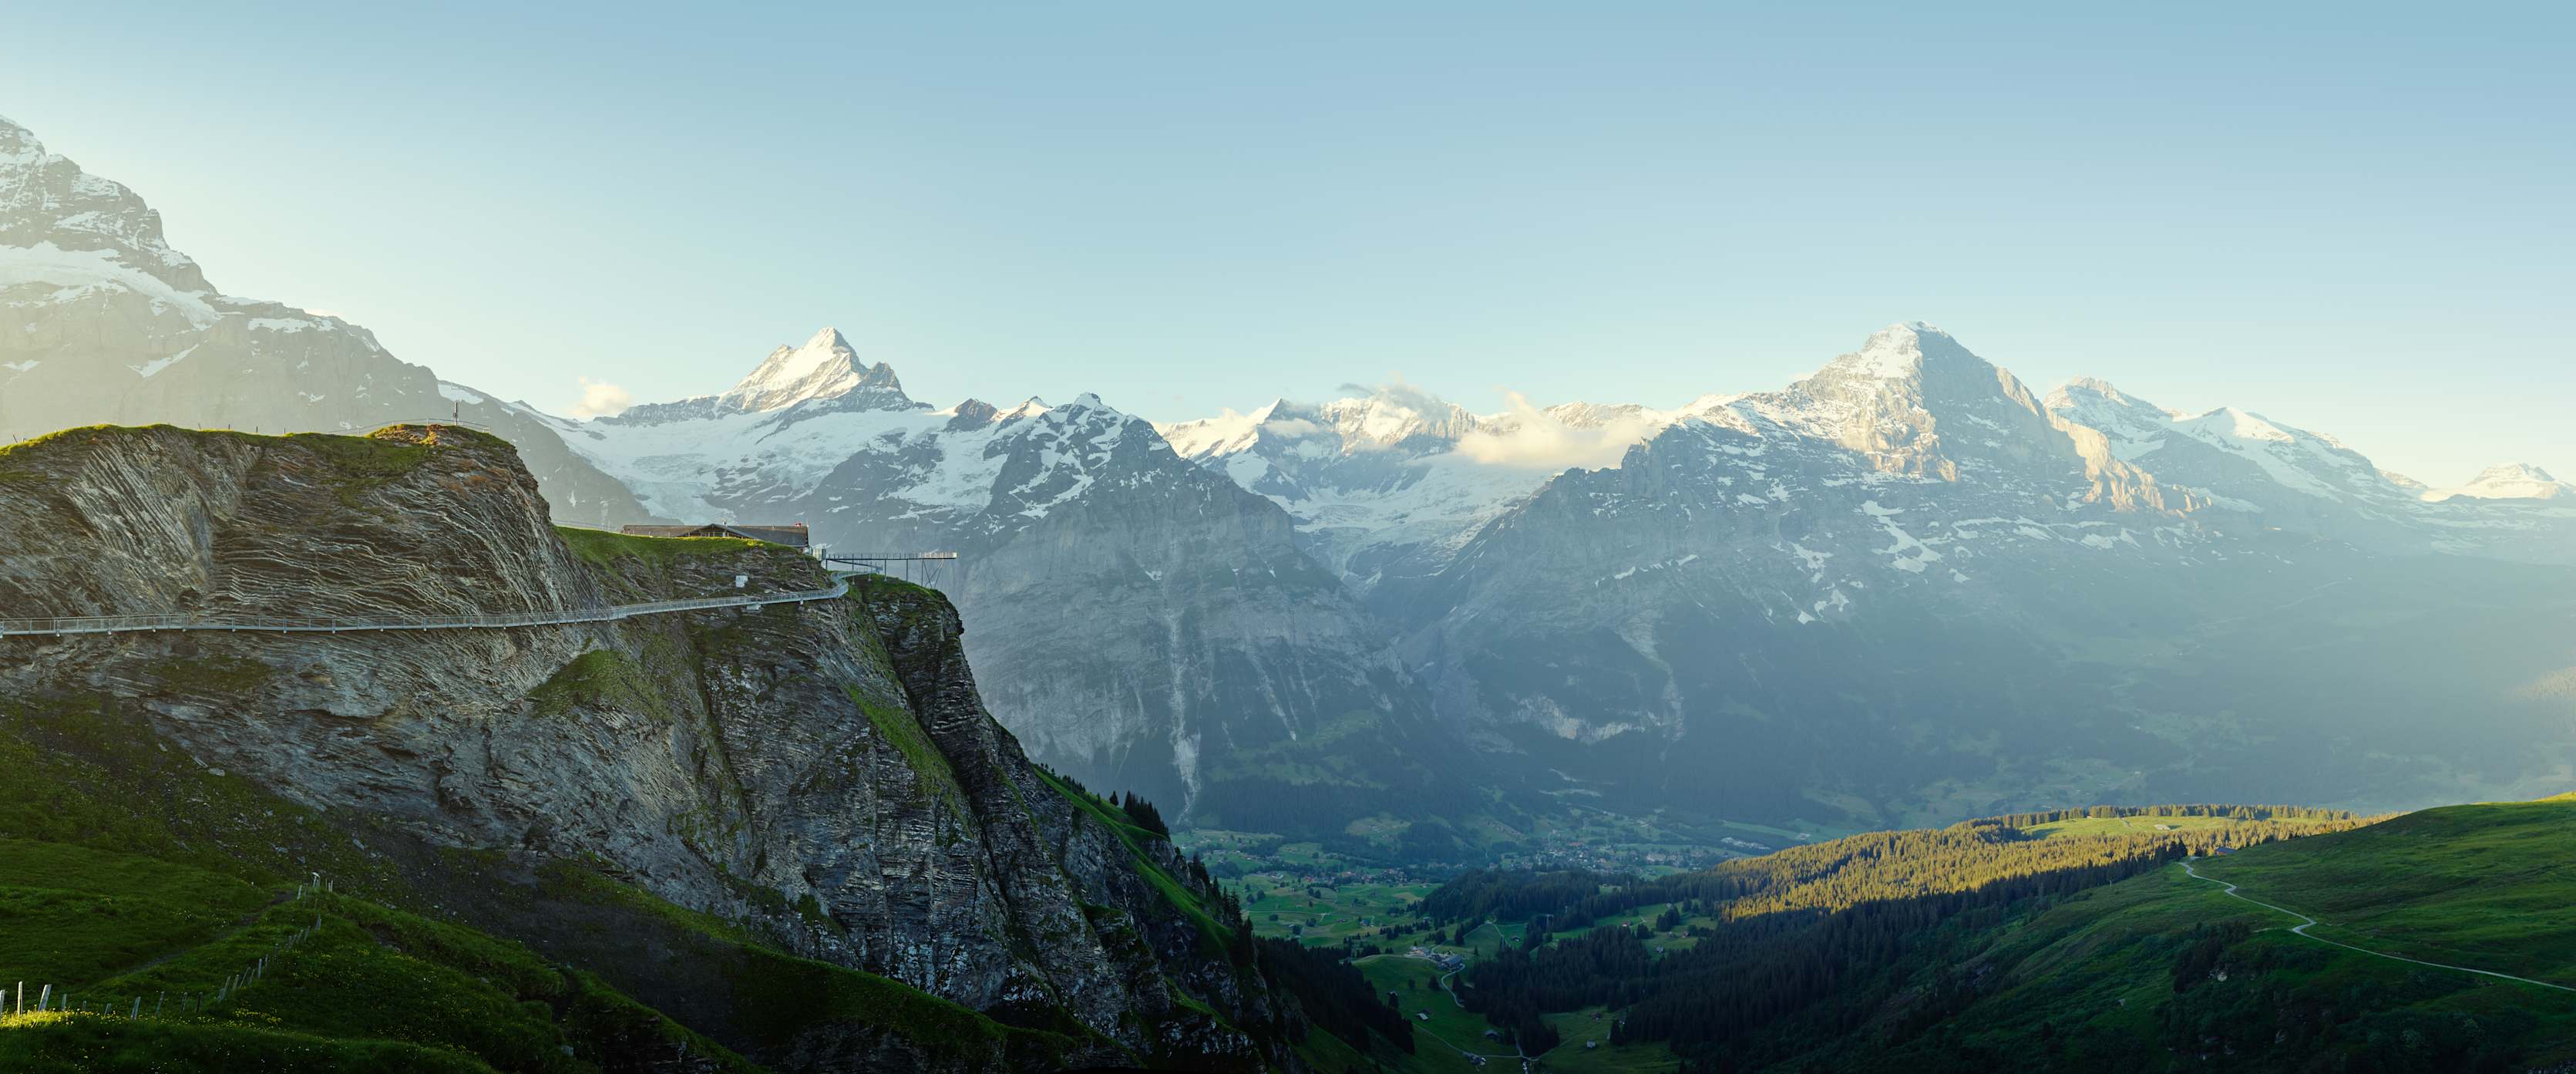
{"type": "Point", "coordinates": [1810, 942]}
{"type": "Point", "coordinates": [1841, 873]}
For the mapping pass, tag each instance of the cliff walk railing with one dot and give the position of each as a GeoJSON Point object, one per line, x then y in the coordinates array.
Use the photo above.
{"type": "Point", "coordinates": [126, 624]}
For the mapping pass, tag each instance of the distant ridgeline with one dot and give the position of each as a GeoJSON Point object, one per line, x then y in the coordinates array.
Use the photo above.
{"type": "Point", "coordinates": [1798, 944]}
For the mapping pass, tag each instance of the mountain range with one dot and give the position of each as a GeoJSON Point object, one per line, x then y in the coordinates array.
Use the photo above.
{"type": "Point", "coordinates": [1906, 588]}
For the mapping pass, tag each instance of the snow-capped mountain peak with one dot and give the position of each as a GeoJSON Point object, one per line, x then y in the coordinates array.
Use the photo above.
{"type": "Point", "coordinates": [1895, 352]}
{"type": "Point", "coordinates": [2512, 481]}
{"type": "Point", "coordinates": [824, 367]}
{"type": "Point", "coordinates": [1391, 416]}
{"type": "Point", "coordinates": [2092, 396]}
{"type": "Point", "coordinates": [822, 375]}
{"type": "Point", "coordinates": [79, 231]}
{"type": "Point", "coordinates": [1387, 417]}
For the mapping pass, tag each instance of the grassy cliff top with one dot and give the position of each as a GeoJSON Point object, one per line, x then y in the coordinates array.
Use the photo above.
{"type": "Point", "coordinates": [387, 452]}
{"type": "Point", "coordinates": [601, 548]}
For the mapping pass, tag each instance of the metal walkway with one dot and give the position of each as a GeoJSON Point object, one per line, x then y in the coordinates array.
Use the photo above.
{"type": "Point", "coordinates": [131, 624]}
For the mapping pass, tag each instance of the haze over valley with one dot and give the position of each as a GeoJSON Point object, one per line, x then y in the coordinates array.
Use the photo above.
{"type": "Point", "coordinates": [1345, 609]}
{"type": "Point", "coordinates": [1878, 711]}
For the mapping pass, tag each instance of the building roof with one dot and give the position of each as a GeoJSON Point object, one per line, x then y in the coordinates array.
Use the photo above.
{"type": "Point", "coordinates": [793, 535]}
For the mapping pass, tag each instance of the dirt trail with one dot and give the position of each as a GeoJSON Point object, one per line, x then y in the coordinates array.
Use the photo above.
{"type": "Point", "coordinates": [2306, 922]}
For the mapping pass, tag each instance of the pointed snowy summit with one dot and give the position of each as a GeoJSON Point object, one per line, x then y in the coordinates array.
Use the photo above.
{"type": "Point", "coordinates": [1901, 352]}
{"type": "Point", "coordinates": [1891, 353]}
{"type": "Point", "coordinates": [824, 367]}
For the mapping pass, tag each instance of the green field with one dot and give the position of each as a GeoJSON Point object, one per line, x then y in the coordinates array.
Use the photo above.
{"type": "Point", "coordinates": [1490, 938]}
{"type": "Point", "coordinates": [1450, 1030]}
{"type": "Point", "coordinates": [1591, 1025]}
{"type": "Point", "coordinates": [1326, 915]}
{"type": "Point", "coordinates": [1675, 939]}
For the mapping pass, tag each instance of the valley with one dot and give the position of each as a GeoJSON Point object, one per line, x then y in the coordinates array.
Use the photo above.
{"type": "Point", "coordinates": [2153, 967]}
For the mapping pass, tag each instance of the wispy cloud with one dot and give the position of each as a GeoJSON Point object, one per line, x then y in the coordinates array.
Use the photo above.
{"type": "Point", "coordinates": [1533, 438]}
{"type": "Point", "coordinates": [600, 399]}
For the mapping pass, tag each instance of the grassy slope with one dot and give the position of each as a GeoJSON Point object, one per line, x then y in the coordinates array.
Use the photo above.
{"type": "Point", "coordinates": [600, 548]}
{"type": "Point", "coordinates": [372, 989]}
{"type": "Point", "coordinates": [2090, 984]}
{"type": "Point", "coordinates": [116, 852]}
{"type": "Point", "coordinates": [2488, 886]}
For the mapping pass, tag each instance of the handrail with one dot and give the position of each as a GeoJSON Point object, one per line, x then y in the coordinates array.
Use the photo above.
{"type": "Point", "coordinates": [59, 626]}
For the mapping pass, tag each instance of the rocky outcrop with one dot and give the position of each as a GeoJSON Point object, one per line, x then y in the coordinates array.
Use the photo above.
{"type": "Point", "coordinates": [823, 775]}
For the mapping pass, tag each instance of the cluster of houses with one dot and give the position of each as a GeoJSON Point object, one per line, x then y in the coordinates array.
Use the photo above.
{"type": "Point", "coordinates": [1622, 859]}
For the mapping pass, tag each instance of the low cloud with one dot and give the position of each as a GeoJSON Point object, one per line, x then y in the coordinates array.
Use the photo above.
{"type": "Point", "coordinates": [1400, 391]}
{"type": "Point", "coordinates": [600, 399]}
{"type": "Point", "coordinates": [2557, 685]}
{"type": "Point", "coordinates": [1534, 439]}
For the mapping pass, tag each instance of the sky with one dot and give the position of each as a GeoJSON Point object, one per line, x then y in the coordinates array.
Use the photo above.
{"type": "Point", "coordinates": [2350, 218]}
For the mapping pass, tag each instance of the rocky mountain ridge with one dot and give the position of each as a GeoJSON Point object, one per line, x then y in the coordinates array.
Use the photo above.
{"type": "Point", "coordinates": [1244, 666]}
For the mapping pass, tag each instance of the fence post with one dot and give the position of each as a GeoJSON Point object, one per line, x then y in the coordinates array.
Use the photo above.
{"type": "Point", "coordinates": [43, 998]}
{"type": "Point", "coordinates": [137, 1012]}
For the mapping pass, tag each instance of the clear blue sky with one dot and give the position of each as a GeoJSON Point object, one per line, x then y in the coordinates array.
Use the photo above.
{"type": "Point", "coordinates": [2353, 220]}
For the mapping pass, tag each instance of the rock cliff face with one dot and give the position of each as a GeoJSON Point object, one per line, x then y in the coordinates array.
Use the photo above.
{"type": "Point", "coordinates": [821, 775]}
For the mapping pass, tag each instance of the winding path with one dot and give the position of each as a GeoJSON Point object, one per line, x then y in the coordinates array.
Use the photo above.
{"type": "Point", "coordinates": [2306, 921]}
{"type": "Point", "coordinates": [132, 624]}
